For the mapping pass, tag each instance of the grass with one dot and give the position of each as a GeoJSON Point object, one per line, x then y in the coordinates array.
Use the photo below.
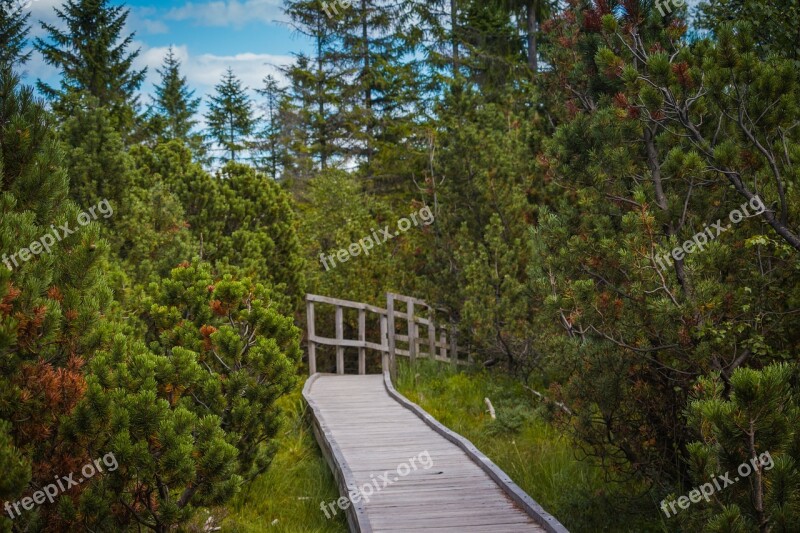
{"type": "Point", "coordinates": [287, 497]}
{"type": "Point", "coordinates": [538, 457]}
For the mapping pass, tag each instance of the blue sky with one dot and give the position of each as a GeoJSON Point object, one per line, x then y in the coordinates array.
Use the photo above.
{"type": "Point", "coordinates": [251, 36]}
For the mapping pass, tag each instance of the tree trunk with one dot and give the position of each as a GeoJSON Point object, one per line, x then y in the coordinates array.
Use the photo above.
{"type": "Point", "coordinates": [454, 36]}
{"type": "Point", "coordinates": [367, 78]}
{"type": "Point", "coordinates": [533, 28]}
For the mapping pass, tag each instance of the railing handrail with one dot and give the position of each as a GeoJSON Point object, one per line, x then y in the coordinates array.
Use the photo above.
{"type": "Point", "coordinates": [441, 339]}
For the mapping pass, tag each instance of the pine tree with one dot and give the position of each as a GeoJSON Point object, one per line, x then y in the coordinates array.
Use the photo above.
{"type": "Point", "coordinates": [643, 327]}
{"type": "Point", "coordinates": [174, 101]}
{"type": "Point", "coordinates": [774, 24]}
{"type": "Point", "coordinates": [269, 145]}
{"type": "Point", "coordinates": [750, 431]}
{"type": "Point", "coordinates": [382, 88]}
{"type": "Point", "coordinates": [230, 116]}
{"type": "Point", "coordinates": [92, 55]}
{"type": "Point", "coordinates": [13, 33]}
{"type": "Point", "coordinates": [99, 167]}
{"type": "Point", "coordinates": [50, 301]}
{"type": "Point", "coordinates": [316, 85]}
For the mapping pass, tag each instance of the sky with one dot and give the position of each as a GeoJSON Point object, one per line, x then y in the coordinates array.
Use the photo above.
{"type": "Point", "coordinates": [252, 37]}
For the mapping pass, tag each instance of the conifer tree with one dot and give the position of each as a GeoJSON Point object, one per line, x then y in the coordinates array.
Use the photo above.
{"type": "Point", "coordinates": [382, 89]}
{"type": "Point", "coordinates": [174, 101]}
{"type": "Point", "coordinates": [752, 431]}
{"type": "Point", "coordinates": [230, 116]}
{"type": "Point", "coordinates": [13, 33]}
{"type": "Point", "coordinates": [774, 24]}
{"type": "Point", "coordinates": [269, 144]}
{"type": "Point", "coordinates": [51, 296]}
{"type": "Point", "coordinates": [92, 55]}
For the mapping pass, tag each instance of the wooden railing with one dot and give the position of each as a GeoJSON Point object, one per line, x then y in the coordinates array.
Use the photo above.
{"type": "Point", "coordinates": [437, 342]}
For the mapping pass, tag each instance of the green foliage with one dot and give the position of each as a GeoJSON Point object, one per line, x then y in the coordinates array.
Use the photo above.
{"type": "Point", "coordinates": [758, 418]}
{"type": "Point", "coordinates": [90, 50]}
{"type": "Point", "coordinates": [13, 34]}
{"type": "Point", "coordinates": [174, 101]}
{"type": "Point", "coordinates": [773, 22]}
{"type": "Point", "coordinates": [248, 348]}
{"type": "Point", "coordinates": [327, 228]}
{"type": "Point", "coordinates": [286, 498]}
{"type": "Point", "coordinates": [192, 414]}
{"type": "Point", "coordinates": [230, 116]}
{"type": "Point", "coordinates": [50, 305]}
{"type": "Point", "coordinates": [538, 457]}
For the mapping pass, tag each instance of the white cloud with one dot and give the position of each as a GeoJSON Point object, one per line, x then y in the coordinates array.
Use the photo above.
{"type": "Point", "coordinates": [229, 12]}
{"type": "Point", "coordinates": [205, 70]}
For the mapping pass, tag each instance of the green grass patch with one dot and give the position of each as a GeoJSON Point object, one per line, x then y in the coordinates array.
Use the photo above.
{"type": "Point", "coordinates": [287, 497]}
{"type": "Point", "coordinates": [539, 458]}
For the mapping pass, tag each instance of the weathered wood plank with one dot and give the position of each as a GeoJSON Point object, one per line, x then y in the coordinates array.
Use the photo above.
{"type": "Point", "coordinates": [377, 436]}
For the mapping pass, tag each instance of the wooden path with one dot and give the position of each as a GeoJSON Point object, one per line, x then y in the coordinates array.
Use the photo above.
{"type": "Point", "coordinates": [397, 468]}
{"type": "Point", "coordinates": [434, 479]}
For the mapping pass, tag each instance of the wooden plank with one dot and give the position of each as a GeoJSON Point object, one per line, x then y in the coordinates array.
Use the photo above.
{"type": "Point", "coordinates": [536, 511]}
{"type": "Point", "coordinates": [431, 338]}
{"type": "Point", "coordinates": [356, 513]}
{"type": "Point", "coordinates": [344, 303]}
{"type": "Point", "coordinates": [375, 434]}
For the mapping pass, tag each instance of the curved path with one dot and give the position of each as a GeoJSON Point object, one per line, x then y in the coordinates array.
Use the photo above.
{"type": "Point", "coordinates": [403, 471]}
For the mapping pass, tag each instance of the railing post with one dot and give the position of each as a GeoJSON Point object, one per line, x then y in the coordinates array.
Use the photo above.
{"type": "Point", "coordinates": [312, 347]}
{"type": "Point", "coordinates": [453, 345]}
{"type": "Point", "coordinates": [385, 343]}
{"type": "Point", "coordinates": [339, 337]}
{"type": "Point", "coordinates": [391, 336]}
{"type": "Point", "coordinates": [362, 336]}
{"type": "Point", "coordinates": [431, 335]}
{"type": "Point", "coordinates": [412, 333]}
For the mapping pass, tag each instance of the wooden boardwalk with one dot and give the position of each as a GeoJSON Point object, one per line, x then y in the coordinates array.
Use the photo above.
{"type": "Point", "coordinates": [428, 478]}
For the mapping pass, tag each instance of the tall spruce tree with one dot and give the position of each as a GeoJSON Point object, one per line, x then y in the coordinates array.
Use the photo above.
{"type": "Point", "coordinates": [92, 54]}
{"type": "Point", "coordinates": [13, 33]}
{"type": "Point", "coordinates": [316, 85]}
{"type": "Point", "coordinates": [269, 146]}
{"type": "Point", "coordinates": [230, 116]}
{"type": "Point", "coordinates": [174, 101]}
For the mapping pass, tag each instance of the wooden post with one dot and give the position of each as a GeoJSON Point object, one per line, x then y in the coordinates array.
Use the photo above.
{"type": "Point", "coordinates": [390, 336]}
{"type": "Point", "coordinates": [339, 337]}
{"type": "Point", "coordinates": [412, 334]}
{"type": "Point", "coordinates": [443, 342]}
{"type": "Point", "coordinates": [384, 343]}
{"type": "Point", "coordinates": [453, 346]}
{"type": "Point", "coordinates": [362, 336]}
{"type": "Point", "coordinates": [312, 347]}
{"type": "Point", "coordinates": [431, 335]}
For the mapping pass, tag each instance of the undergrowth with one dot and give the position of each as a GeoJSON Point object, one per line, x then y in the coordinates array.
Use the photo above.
{"type": "Point", "coordinates": [540, 459]}
{"type": "Point", "coordinates": [286, 499]}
